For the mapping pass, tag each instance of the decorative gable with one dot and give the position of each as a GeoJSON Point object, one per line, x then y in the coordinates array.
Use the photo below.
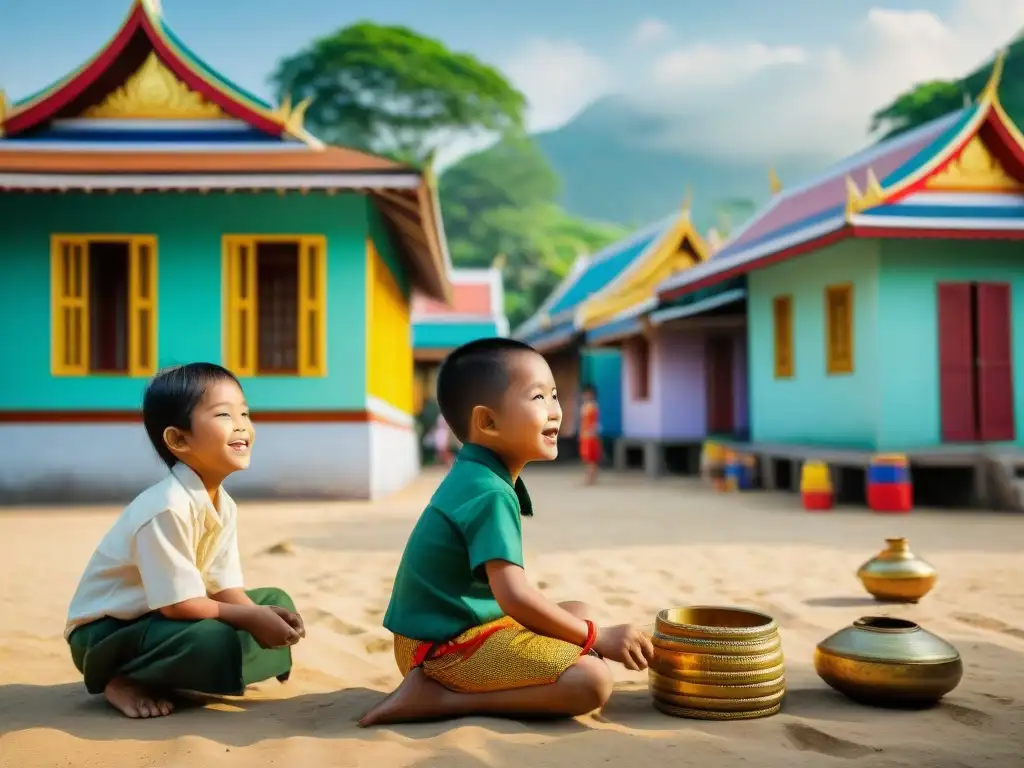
{"type": "Point", "coordinates": [974, 169]}
{"type": "Point", "coordinates": [154, 92]}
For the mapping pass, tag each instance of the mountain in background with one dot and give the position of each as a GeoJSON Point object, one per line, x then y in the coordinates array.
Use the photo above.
{"type": "Point", "coordinates": [613, 170]}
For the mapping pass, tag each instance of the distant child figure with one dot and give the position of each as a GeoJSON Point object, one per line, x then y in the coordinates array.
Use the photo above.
{"type": "Point", "coordinates": [443, 441]}
{"type": "Point", "coordinates": [590, 434]}
{"type": "Point", "coordinates": [472, 635]}
{"type": "Point", "coordinates": [161, 605]}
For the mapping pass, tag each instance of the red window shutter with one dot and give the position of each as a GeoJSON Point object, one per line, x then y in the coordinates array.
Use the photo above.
{"type": "Point", "coordinates": [995, 363]}
{"type": "Point", "coordinates": [956, 363]}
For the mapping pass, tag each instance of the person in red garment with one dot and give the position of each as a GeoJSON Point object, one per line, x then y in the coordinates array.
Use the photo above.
{"type": "Point", "coordinates": [590, 433]}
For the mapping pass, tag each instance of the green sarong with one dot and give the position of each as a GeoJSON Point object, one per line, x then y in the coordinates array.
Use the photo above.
{"type": "Point", "coordinates": [206, 656]}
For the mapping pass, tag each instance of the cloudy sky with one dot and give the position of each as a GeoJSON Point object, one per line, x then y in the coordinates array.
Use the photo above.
{"type": "Point", "coordinates": [758, 78]}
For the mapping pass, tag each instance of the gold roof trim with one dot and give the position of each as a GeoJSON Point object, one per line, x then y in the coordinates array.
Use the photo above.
{"type": "Point", "coordinates": [153, 92]}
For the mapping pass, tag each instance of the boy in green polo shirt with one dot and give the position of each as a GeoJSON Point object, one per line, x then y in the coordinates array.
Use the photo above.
{"type": "Point", "coordinates": [472, 636]}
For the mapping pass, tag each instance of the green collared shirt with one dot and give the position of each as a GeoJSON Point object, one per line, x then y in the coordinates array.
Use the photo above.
{"type": "Point", "coordinates": [441, 588]}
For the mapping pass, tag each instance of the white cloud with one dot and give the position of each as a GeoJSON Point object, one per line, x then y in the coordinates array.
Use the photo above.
{"type": "Point", "coordinates": [775, 103]}
{"type": "Point", "coordinates": [650, 32]}
{"type": "Point", "coordinates": [558, 77]}
{"type": "Point", "coordinates": [703, 66]}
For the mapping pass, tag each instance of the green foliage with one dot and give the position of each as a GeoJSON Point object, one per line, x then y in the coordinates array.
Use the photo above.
{"type": "Point", "coordinates": [501, 202]}
{"type": "Point", "coordinates": [928, 101]}
{"type": "Point", "coordinates": [920, 105]}
{"type": "Point", "coordinates": [392, 91]}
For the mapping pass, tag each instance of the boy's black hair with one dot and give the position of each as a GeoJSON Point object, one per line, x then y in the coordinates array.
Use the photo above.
{"type": "Point", "coordinates": [590, 388]}
{"type": "Point", "coordinates": [474, 374]}
{"type": "Point", "coordinates": [172, 396]}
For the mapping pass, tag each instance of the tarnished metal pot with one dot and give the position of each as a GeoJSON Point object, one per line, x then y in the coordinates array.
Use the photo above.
{"type": "Point", "coordinates": [716, 663]}
{"type": "Point", "coordinates": [888, 662]}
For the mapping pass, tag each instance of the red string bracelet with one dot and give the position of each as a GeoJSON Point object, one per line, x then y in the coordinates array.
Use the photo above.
{"type": "Point", "coordinates": [591, 638]}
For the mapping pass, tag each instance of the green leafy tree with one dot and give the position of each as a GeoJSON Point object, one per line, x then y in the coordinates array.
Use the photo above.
{"type": "Point", "coordinates": [503, 201]}
{"type": "Point", "coordinates": [922, 104]}
{"type": "Point", "coordinates": [394, 92]}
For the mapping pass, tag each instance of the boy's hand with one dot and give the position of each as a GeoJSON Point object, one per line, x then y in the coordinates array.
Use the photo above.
{"type": "Point", "coordinates": [625, 644]}
{"type": "Point", "coordinates": [293, 619]}
{"type": "Point", "coordinates": [269, 629]}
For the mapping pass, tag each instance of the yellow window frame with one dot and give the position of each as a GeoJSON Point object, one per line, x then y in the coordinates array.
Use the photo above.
{"type": "Point", "coordinates": [241, 303]}
{"type": "Point", "coordinates": [70, 310]}
{"type": "Point", "coordinates": [782, 327]}
{"type": "Point", "coordinates": [839, 329]}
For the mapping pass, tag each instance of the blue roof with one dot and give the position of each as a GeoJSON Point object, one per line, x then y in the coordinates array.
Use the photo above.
{"type": "Point", "coordinates": [593, 277]}
{"type": "Point", "coordinates": [449, 335]}
{"type": "Point", "coordinates": [599, 273]}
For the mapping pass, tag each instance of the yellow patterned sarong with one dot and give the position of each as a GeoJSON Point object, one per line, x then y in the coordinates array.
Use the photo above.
{"type": "Point", "coordinates": [508, 656]}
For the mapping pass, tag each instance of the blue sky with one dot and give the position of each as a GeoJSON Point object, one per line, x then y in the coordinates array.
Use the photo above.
{"type": "Point", "coordinates": [807, 68]}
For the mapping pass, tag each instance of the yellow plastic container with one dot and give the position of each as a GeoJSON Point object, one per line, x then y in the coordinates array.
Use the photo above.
{"type": "Point", "coordinates": [815, 478]}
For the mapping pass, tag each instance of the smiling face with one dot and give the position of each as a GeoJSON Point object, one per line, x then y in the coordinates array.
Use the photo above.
{"type": "Point", "coordinates": [527, 422]}
{"type": "Point", "coordinates": [221, 436]}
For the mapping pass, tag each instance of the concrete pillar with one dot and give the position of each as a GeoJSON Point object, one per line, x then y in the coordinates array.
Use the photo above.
{"type": "Point", "coordinates": [619, 454]}
{"type": "Point", "coordinates": [766, 466]}
{"type": "Point", "coordinates": [654, 459]}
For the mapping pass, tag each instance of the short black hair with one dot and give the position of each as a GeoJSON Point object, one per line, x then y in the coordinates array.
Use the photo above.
{"type": "Point", "coordinates": [474, 374]}
{"type": "Point", "coordinates": [173, 395]}
{"type": "Point", "coordinates": [590, 389]}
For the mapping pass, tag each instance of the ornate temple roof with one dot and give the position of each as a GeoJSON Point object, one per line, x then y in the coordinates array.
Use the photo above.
{"type": "Point", "coordinates": [961, 175]}
{"type": "Point", "coordinates": [476, 311]}
{"type": "Point", "coordinates": [617, 310]}
{"type": "Point", "coordinates": [145, 113]}
{"type": "Point", "coordinates": [554, 323]}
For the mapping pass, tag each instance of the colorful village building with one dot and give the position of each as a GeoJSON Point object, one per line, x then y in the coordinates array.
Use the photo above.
{"type": "Point", "coordinates": [684, 373]}
{"type": "Point", "coordinates": [476, 311]}
{"type": "Point", "coordinates": [558, 330]}
{"type": "Point", "coordinates": [885, 303]}
{"type": "Point", "coordinates": [154, 213]}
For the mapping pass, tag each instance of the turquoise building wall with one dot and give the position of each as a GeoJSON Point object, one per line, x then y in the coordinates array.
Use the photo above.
{"type": "Point", "coordinates": [812, 407]}
{"type": "Point", "coordinates": [188, 228]}
{"type": "Point", "coordinates": [603, 369]}
{"type": "Point", "coordinates": [909, 343]}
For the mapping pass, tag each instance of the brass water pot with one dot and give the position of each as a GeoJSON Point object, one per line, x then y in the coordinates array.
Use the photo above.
{"type": "Point", "coordinates": [897, 575]}
{"type": "Point", "coordinates": [888, 662]}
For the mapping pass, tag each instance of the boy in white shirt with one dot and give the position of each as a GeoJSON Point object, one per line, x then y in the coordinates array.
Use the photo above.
{"type": "Point", "coordinates": [161, 605]}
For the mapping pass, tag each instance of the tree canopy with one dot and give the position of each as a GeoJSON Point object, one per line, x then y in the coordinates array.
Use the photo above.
{"type": "Point", "coordinates": [503, 202]}
{"type": "Point", "coordinates": [394, 92]}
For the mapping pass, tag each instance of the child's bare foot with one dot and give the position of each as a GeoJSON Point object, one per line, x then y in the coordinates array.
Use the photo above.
{"type": "Point", "coordinates": [134, 701]}
{"type": "Point", "coordinates": [417, 698]}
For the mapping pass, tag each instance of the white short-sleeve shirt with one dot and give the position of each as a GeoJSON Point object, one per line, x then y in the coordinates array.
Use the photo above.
{"type": "Point", "coordinates": [169, 545]}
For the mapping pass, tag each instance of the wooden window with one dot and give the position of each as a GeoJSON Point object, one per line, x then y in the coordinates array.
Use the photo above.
{"type": "Point", "coordinates": [641, 368]}
{"type": "Point", "coordinates": [103, 305]}
{"type": "Point", "coordinates": [782, 322]}
{"type": "Point", "coordinates": [275, 305]}
{"type": "Point", "coordinates": [839, 328]}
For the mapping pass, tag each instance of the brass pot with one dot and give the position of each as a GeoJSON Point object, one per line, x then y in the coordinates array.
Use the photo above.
{"type": "Point", "coordinates": [888, 662]}
{"type": "Point", "coordinates": [716, 663]}
{"type": "Point", "coordinates": [897, 575]}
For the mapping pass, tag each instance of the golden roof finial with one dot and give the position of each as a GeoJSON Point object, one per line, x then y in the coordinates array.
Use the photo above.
{"type": "Point", "coordinates": [687, 200]}
{"type": "Point", "coordinates": [991, 90]}
{"type": "Point", "coordinates": [873, 192]}
{"type": "Point", "coordinates": [151, 6]}
{"type": "Point", "coordinates": [3, 113]}
{"type": "Point", "coordinates": [774, 182]}
{"type": "Point", "coordinates": [852, 196]}
{"type": "Point", "coordinates": [292, 118]}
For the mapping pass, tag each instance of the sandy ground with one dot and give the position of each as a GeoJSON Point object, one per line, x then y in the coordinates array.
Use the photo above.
{"type": "Point", "coordinates": [629, 547]}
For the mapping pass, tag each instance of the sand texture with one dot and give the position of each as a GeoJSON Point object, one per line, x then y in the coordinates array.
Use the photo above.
{"type": "Point", "coordinates": [628, 547]}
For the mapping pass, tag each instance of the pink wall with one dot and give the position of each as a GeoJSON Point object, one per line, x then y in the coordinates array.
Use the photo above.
{"type": "Point", "coordinates": [676, 406]}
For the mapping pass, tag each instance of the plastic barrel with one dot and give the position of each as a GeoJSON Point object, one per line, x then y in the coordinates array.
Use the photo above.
{"type": "Point", "coordinates": [889, 485]}
{"type": "Point", "coordinates": [733, 471]}
{"type": "Point", "coordinates": [816, 486]}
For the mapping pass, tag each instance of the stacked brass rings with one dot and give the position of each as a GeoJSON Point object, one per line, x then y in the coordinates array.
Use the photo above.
{"type": "Point", "coordinates": [715, 663]}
